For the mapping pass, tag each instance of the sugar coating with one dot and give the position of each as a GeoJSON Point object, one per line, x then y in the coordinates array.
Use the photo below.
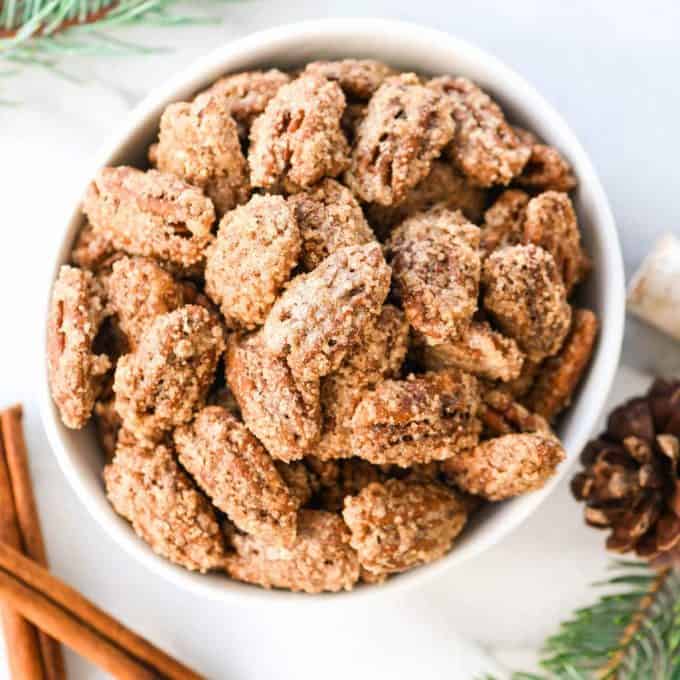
{"type": "Point", "coordinates": [353, 474]}
{"type": "Point", "coordinates": [329, 218]}
{"type": "Point", "coordinates": [506, 466]}
{"type": "Point", "coordinates": [145, 485]}
{"type": "Point", "coordinates": [481, 351]}
{"type": "Point", "coordinates": [150, 213]}
{"type": "Point", "coordinates": [504, 220]}
{"type": "Point", "coordinates": [238, 475]}
{"type": "Point", "coordinates": [550, 222]}
{"type": "Point", "coordinates": [417, 420]}
{"type": "Point", "coordinates": [77, 310]}
{"type": "Point", "coordinates": [91, 249]}
{"type": "Point", "coordinates": [281, 411]}
{"type": "Point", "coordinates": [546, 169]}
{"type": "Point", "coordinates": [405, 128]}
{"type": "Point", "coordinates": [485, 147]}
{"type": "Point", "coordinates": [502, 414]}
{"type": "Point", "coordinates": [398, 525]}
{"type": "Point", "coordinates": [358, 78]}
{"type": "Point", "coordinates": [443, 186]}
{"type": "Point", "coordinates": [321, 559]}
{"type": "Point", "coordinates": [560, 375]}
{"type": "Point", "coordinates": [256, 248]}
{"type": "Point", "coordinates": [525, 293]}
{"type": "Point", "coordinates": [436, 268]}
{"type": "Point", "coordinates": [315, 321]}
{"type": "Point", "coordinates": [138, 290]}
{"type": "Point", "coordinates": [162, 383]}
{"type": "Point", "coordinates": [297, 479]}
{"type": "Point", "coordinates": [198, 142]}
{"type": "Point", "coordinates": [298, 140]}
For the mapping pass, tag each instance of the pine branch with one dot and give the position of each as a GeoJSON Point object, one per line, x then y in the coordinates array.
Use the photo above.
{"type": "Point", "coordinates": [632, 634]}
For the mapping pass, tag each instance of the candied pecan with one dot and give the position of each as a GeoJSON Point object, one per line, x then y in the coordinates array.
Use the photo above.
{"type": "Point", "coordinates": [358, 78]}
{"type": "Point", "coordinates": [353, 475]}
{"type": "Point", "coordinates": [168, 376]}
{"type": "Point", "coordinates": [146, 486]}
{"type": "Point", "coordinates": [298, 140]}
{"type": "Point", "coordinates": [320, 560]}
{"type": "Point", "coordinates": [506, 466]}
{"type": "Point", "coordinates": [139, 290]}
{"type": "Point", "coordinates": [525, 294]}
{"type": "Point", "coordinates": [501, 414]}
{"type": "Point", "coordinates": [150, 213]}
{"type": "Point", "coordinates": [238, 474]}
{"type": "Point", "coordinates": [247, 94]}
{"type": "Point", "coordinates": [521, 385]}
{"type": "Point", "coordinates": [107, 426]}
{"type": "Point", "coordinates": [423, 418]}
{"type": "Point", "coordinates": [436, 268]}
{"type": "Point", "coordinates": [256, 248]}
{"type": "Point", "coordinates": [297, 478]}
{"type": "Point", "coordinates": [443, 186]}
{"type": "Point", "coordinates": [546, 169]}
{"type": "Point", "coordinates": [282, 412]}
{"type": "Point", "coordinates": [75, 372]}
{"type": "Point", "coordinates": [480, 351]}
{"type": "Point", "coordinates": [398, 525]}
{"type": "Point", "coordinates": [91, 249]}
{"type": "Point", "coordinates": [198, 142]}
{"type": "Point", "coordinates": [315, 321]}
{"type": "Point", "coordinates": [485, 147]}
{"type": "Point", "coordinates": [329, 218]}
{"type": "Point", "coordinates": [504, 220]}
{"type": "Point", "coordinates": [559, 376]}
{"type": "Point", "coordinates": [405, 128]}
{"type": "Point", "coordinates": [551, 223]}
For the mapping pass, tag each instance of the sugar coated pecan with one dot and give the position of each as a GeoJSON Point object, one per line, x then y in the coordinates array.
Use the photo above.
{"type": "Point", "coordinates": [167, 378]}
{"type": "Point", "coordinates": [546, 169]}
{"type": "Point", "coordinates": [481, 351]}
{"type": "Point", "coordinates": [146, 486]}
{"type": "Point", "coordinates": [358, 78]}
{"type": "Point", "coordinates": [436, 268]}
{"type": "Point", "coordinates": [397, 525]}
{"type": "Point", "coordinates": [329, 218]}
{"type": "Point", "coordinates": [77, 311]}
{"type": "Point", "coordinates": [281, 411]}
{"type": "Point", "coordinates": [92, 249]}
{"type": "Point", "coordinates": [525, 293]}
{"type": "Point", "coordinates": [501, 414]}
{"type": "Point", "coordinates": [423, 418]}
{"type": "Point", "coordinates": [560, 375]}
{"type": "Point", "coordinates": [353, 474]}
{"type": "Point", "coordinates": [139, 290]}
{"type": "Point", "coordinates": [443, 186]}
{"type": "Point", "coordinates": [199, 143]}
{"type": "Point", "coordinates": [150, 213]}
{"type": "Point", "coordinates": [506, 466]}
{"type": "Point", "coordinates": [298, 139]}
{"type": "Point", "coordinates": [256, 248]}
{"type": "Point", "coordinates": [485, 147]}
{"type": "Point", "coordinates": [405, 128]}
{"type": "Point", "coordinates": [238, 475]}
{"type": "Point", "coordinates": [316, 320]}
{"type": "Point", "coordinates": [320, 560]}
{"type": "Point", "coordinates": [504, 221]}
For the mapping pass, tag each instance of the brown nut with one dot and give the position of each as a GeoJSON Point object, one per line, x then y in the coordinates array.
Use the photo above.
{"type": "Point", "coordinates": [436, 269]}
{"type": "Point", "coordinates": [546, 169]}
{"type": "Point", "coordinates": [321, 559]}
{"type": "Point", "coordinates": [316, 320]}
{"type": "Point", "coordinates": [358, 78]}
{"type": "Point", "coordinates": [405, 128]}
{"type": "Point", "coordinates": [238, 475]}
{"type": "Point", "coordinates": [397, 525]}
{"type": "Point", "coordinates": [504, 220]}
{"type": "Point", "coordinates": [150, 213]}
{"type": "Point", "coordinates": [256, 248]}
{"type": "Point", "coordinates": [75, 372]}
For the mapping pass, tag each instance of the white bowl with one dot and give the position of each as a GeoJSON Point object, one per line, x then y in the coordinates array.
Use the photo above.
{"type": "Point", "coordinates": [407, 47]}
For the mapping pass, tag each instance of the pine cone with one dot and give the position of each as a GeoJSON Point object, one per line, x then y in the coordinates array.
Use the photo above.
{"type": "Point", "coordinates": [630, 480]}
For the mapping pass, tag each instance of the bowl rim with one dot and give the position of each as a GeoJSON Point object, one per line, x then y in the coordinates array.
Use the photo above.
{"type": "Point", "coordinates": [596, 385]}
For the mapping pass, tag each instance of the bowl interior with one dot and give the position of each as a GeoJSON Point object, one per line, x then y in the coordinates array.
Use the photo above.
{"type": "Point", "coordinates": [406, 47]}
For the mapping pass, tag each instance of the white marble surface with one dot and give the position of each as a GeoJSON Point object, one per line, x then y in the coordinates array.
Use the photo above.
{"type": "Point", "coordinates": [610, 67]}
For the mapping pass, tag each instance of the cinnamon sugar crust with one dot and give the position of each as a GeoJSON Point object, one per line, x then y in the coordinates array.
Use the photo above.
{"type": "Point", "coordinates": [358, 78]}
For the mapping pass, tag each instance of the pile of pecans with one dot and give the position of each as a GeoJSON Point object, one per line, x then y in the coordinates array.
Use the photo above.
{"type": "Point", "coordinates": [329, 321]}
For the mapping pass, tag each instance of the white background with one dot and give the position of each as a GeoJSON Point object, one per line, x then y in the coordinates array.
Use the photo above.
{"type": "Point", "coordinates": [611, 68]}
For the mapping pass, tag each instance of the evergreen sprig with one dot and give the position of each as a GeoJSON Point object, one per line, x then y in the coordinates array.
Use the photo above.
{"type": "Point", "coordinates": [40, 32]}
{"type": "Point", "coordinates": [630, 634]}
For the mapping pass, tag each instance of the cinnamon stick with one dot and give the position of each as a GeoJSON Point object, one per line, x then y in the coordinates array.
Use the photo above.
{"type": "Point", "coordinates": [28, 520]}
{"type": "Point", "coordinates": [21, 637]}
{"type": "Point", "coordinates": [73, 620]}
